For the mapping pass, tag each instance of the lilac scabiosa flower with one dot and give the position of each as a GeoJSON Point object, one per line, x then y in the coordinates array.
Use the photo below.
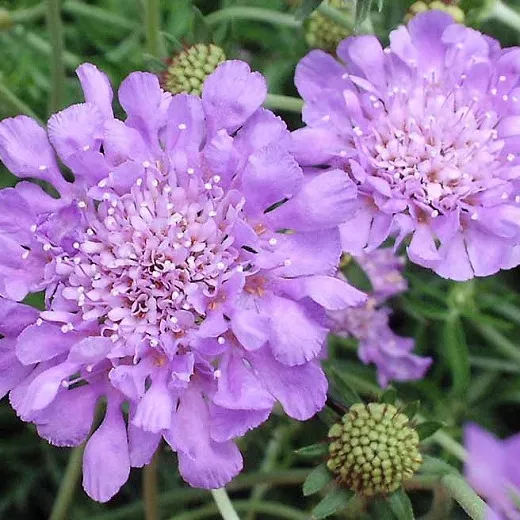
{"type": "Point", "coordinates": [186, 271]}
{"type": "Point", "coordinates": [369, 324]}
{"type": "Point", "coordinates": [428, 128]}
{"type": "Point", "coordinates": [492, 469]}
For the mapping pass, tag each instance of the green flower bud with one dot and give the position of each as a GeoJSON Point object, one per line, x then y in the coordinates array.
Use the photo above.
{"type": "Point", "coordinates": [373, 450]}
{"type": "Point", "coordinates": [188, 70]}
{"type": "Point", "coordinates": [323, 33]}
{"type": "Point", "coordinates": [448, 6]}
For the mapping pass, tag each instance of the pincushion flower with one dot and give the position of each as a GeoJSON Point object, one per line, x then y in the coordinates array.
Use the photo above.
{"type": "Point", "coordinates": [392, 354]}
{"type": "Point", "coordinates": [492, 469]}
{"type": "Point", "coordinates": [186, 269]}
{"type": "Point", "coordinates": [428, 128]}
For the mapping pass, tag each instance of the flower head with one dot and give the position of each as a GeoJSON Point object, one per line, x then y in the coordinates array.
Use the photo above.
{"type": "Point", "coordinates": [428, 129]}
{"type": "Point", "coordinates": [186, 271]}
{"type": "Point", "coordinates": [369, 324]}
{"type": "Point", "coordinates": [492, 469]}
{"type": "Point", "coordinates": [373, 450]}
{"type": "Point", "coordinates": [321, 32]}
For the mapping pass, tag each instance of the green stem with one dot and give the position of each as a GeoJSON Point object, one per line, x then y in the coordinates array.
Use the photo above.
{"type": "Point", "coordinates": [152, 16]}
{"type": "Point", "coordinates": [98, 14]}
{"type": "Point", "coordinates": [174, 498]}
{"type": "Point", "coordinates": [55, 27]}
{"type": "Point", "coordinates": [268, 508]}
{"type": "Point", "coordinates": [441, 505]}
{"type": "Point", "coordinates": [463, 494]}
{"type": "Point", "coordinates": [286, 103]}
{"type": "Point", "coordinates": [151, 504]}
{"type": "Point", "coordinates": [68, 485]}
{"type": "Point", "coordinates": [505, 14]}
{"type": "Point", "coordinates": [224, 505]}
{"type": "Point", "coordinates": [494, 365]}
{"type": "Point", "coordinates": [14, 103]}
{"type": "Point", "coordinates": [344, 20]}
{"type": "Point", "coordinates": [259, 14]}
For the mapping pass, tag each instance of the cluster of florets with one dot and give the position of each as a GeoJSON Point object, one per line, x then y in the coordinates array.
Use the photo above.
{"type": "Point", "coordinates": [369, 324]}
{"type": "Point", "coordinates": [373, 450]}
{"type": "Point", "coordinates": [428, 130]}
{"type": "Point", "coordinates": [321, 32]}
{"type": "Point", "coordinates": [448, 6]}
{"type": "Point", "coordinates": [186, 269]}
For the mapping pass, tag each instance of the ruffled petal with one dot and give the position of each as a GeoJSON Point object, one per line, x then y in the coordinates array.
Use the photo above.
{"type": "Point", "coordinates": [16, 216]}
{"type": "Point", "coordinates": [250, 328]}
{"type": "Point", "coordinates": [271, 175]}
{"type": "Point", "coordinates": [325, 201]}
{"type": "Point", "coordinates": [302, 390]}
{"type": "Point", "coordinates": [226, 424]}
{"type": "Point", "coordinates": [231, 94]}
{"type": "Point", "coordinates": [154, 410]}
{"type": "Point", "coordinates": [90, 350]}
{"type": "Point", "coordinates": [106, 462]}
{"type": "Point", "coordinates": [96, 87]}
{"type": "Point", "coordinates": [142, 446]}
{"type": "Point", "coordinates": [12, 372]}
{"type": "Point", "coordinates": [68, 419]}
{"type": "Point", "coordinates": [14, 317]}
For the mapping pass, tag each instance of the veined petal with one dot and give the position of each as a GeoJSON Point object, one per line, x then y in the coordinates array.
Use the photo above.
{"type": "Point", "coordinates": [96, 87]}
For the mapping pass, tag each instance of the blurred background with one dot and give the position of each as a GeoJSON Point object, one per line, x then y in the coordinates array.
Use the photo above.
{"type": "Point", "coordinates": [471, 330]}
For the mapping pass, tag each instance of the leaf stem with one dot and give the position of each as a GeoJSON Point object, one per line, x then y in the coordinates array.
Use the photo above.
{"type": "Point", "coordinates": [259, 14]}
{"type": "Point", "coordinates": [151, 504]}
{"type": "Point", "coordinates": [68, 485]}
{"type": "Point", "coordinates": [98, 14]}
{"type": "Point", "coordinates": [505, 14]}
{"type": "Point", "coordinates": [224, 505]}
{"type": "Point", "coordinates": [152, 16]}
{"type": "Point", "coordinates": [55, 26]}
{"type": "Point", "coordinates": [286, 103]}
{"type": "Point", "coordinates": [28, 14]}
{"type": "Point", "coordinates": [463, 494]}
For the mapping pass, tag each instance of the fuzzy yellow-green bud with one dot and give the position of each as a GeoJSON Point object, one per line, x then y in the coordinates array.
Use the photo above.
{"type": "Point", "coordinates": [448, 6]}
{"type": "Point", "coordinates": [373, 450]}
{"type": "Point", "coordinates": [188, 70]}
{"type": "Point", "coordinates": [6, 22]}
{"type": "Point", "coordinates": [323, 33]}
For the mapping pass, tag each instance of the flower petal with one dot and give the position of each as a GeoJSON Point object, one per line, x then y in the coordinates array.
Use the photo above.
{"type": "Point", "coordinates": [96, 87]}
{"type": "Point", "coordinates": [228, 424]}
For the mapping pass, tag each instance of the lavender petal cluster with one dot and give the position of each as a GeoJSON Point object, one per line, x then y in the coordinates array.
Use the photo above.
{"type": "Point", "coordinates": [428, 129]}
{"type": "Point", "coordinates": [187, 268]}
{"type": "Point", "coordinates": [378, 344]}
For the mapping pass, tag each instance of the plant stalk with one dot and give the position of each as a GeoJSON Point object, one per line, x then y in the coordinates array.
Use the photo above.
{"type": "Point", "coordinates": [224, 505]}
{"type": "Point", "coordinates": [259, 14]}
{"type": "Point", "coordinates": [55, 26]}
{"type": "Point", "coordinates": [150, 494]}
{"type": "Point", "coordinates": [152, 18]}
{"type": "Point", "coordinates": [286, 103]}
{"type": "Point", "coordinates": [463, 494]}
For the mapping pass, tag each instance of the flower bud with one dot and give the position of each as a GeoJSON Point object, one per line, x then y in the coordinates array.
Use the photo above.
{"type": "Point", "coordinates": [321, 32]}
{"type": "Point", "coordinates": [373, 450]}
{"type": "Point", "coordinates": [189, 69]}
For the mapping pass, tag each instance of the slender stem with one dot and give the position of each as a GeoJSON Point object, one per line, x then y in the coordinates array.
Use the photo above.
{"type": "Point", "coordinates": [224, 505]}
{"type": "Point", "coordinates": [152, 15]}
{"type": "Point", "coordinates": [98, 14]}
{"type": "Point", "coordinates": [14, 103]}
{"type": "Point", "coordinates": [292, 477]}
{"type": "Point", "coordinates": [269, 508]}
{"type": "Point", "coordinates": [259, 14]}
{"type": "Point", "coordinates": [441, 505]}
{"type": "Point", "coordinates": [55, 27]}
{"type": "Point", "coordinates": [494, 365]}
{"type": "Point", "coordinates": [505, 14]}
{"type": "Point", "coordinates": [68, 485]}
{"type": "Point", "coordinates": [500, 342]}
{"type": "Point", "coordinates": [461, 492]}
{"type": "Point", "coordinates": [151, 503]}
{"type": "Point", "coordinates": [344, 20]}
{"type": "Point", "coordinates": [287, 103]}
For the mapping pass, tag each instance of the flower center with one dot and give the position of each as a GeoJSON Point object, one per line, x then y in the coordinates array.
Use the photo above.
{"type": "Point", "coordinates": [149, 262]}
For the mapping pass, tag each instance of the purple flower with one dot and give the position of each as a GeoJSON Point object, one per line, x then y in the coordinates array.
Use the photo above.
{"type": "Point", "coordinates": [186, 271]}
{"type": "Point", "coordinates": [428, 128]}
{"type": "Point", "coordinates": [492, 469]}
{"type": "Point", "coordinates": [369, 324]}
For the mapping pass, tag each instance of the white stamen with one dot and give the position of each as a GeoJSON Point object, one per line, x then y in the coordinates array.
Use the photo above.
{"type": "Point", "coordinates": [511, 157]}
{"type": "Point", "coordinates": [42, 167]}
{"type": "Point", "coordinates": [217, 374]}
{"type": "Point", "coordinates": [502, 78]}
{"type": "Point", "coordinates": [33, 228]}
{"type": "Point", "coordinates": [182, 126]}
{"type": "Point", "coordinates": [273, 241]}
{"type": "Point", "coordinates": [504, 196]}
{"type": "Point", "coordinates": [82, 204]}
{"type": "Point", "coordinates": [146, 164]}
{"type": "Point", "coordinates": [47, 247]}
{"type": "Point", "coordinates": [212, 213]}
{"type": "Point", "coordinates": [102, 183]}
{"type": "Point", "coordinates": [39, 322]}
{"type": "Point", "coordinates": [474, 216]}
{"type": "Point", "coordinates": [221, 266]}
{"type": "Point", "coordinates": [287, 262]}
{"type": "Point", "coordinates": [216, 178]}
{"type": "Point", "coordinates": [25, 255]}
{"type": "Point", "coordinates": [86, 148]}
{"type": "Point", "coordinates": [139, 182]}
{"type": "Point", "coordinates": [221, 340]}
{"type": "Point", "coordinates": [190, 171]}
{"type": "Point", "coordinates": [208, 186]}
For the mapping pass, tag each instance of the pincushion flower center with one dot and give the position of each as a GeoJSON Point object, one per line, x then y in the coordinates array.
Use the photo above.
{"type": "Point", "coordinates": [152, 260]}
{"type": "Point", "coordinates": [432, 146]}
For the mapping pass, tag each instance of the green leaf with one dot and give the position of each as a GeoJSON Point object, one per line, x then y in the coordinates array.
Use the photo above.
{"type": "Point", "coordinates": [428, 428]}
{"type": "Point", "coordinates": [341, 388]}
{"type": "Point", "coordinates": [305, 8]}
{"type": "Point", "coordinates": [356, 275]}
{"type": "Point", "coordinates": [318, 478]}
{"type": "Point", "coordinates": [380, 509]}
{"type": "Point", "coordinates": [411, 409]}
{"type": "Point", "coordinates": [456, 353]}
{"type": "Point", "coordinates": [201, 30]}
{"type": "Point", "coordinates": [314, 450]}
{"type": "Point", "coordinates": [400, 505]}
{"type": "Point", "coordinates": [336, 500]}
{"type": "Point", "coordinates": [389, 396]}
{"type": "Point", "coordinates": [380, 4]}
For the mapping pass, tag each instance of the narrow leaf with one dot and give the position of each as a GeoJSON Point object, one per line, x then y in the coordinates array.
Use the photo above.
{"type": "Point", "coordinates": [428, 428]}
{"type": "Point", "coordinates": [411, 409]}
{"type": "Point", "coordinates": [305, 8]}
{"type": "Point", "coordinates": [362, 10]}
{"type": "Point", "coordinates": [389, 396]}
{"type": "Point", "coordinates": [342, 389]}
{"type": "Point", "coordinates": [435, 466]}
{"type": "Point", "coordinates": [318, 478]}
{"type": "Point", "coordinates": [456, 353]}
{"type": "Point", "coordinates": [336, 500]}
{"type": "Point", "coordinates": [314, 450]}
